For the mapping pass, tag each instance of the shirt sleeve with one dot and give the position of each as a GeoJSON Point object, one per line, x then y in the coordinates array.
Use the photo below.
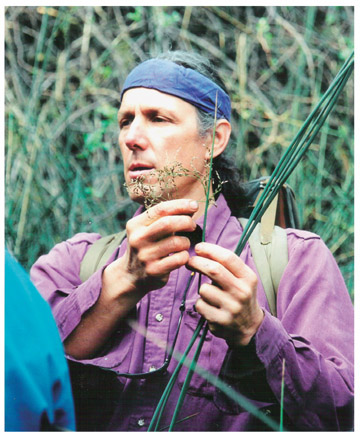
{"type": "Point", "coordinates": [56, 275]}
{"type": "Point", "coordinates": [312, 337]}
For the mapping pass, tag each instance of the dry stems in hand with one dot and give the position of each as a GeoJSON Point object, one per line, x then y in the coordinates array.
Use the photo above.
{"type": "Point", "coordinates": [165, 188]}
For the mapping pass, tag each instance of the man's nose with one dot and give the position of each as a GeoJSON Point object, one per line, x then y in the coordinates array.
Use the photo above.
{"type": "Point", "coordinates": [135, 137]}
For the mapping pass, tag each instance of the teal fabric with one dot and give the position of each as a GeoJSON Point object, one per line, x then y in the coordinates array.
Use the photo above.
{"type": "Point", "coordinates": [37, 385]}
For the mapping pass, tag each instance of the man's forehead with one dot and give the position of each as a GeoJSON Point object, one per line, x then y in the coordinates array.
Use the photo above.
{"type": "Point", "coordinates": [151, 98]}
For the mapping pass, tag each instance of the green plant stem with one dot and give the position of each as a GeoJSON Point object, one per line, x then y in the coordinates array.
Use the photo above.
{"type": "Point", "coordinates": [188, 379]}
{"type": "Point", "coordinates": [282, 396]}
{"type": "Point", "coordinates": [210, 172]}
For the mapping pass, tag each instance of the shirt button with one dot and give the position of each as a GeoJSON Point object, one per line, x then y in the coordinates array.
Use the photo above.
{"type": "Point", "coordinates": [152, 368]}
{"type": "Point", "coordinates": [141, 422]}
{"type": "Point", "coordinates": [159, 317]}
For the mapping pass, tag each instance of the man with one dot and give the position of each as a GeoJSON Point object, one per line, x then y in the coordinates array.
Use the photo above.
{"type": "Point", "coordinates": [166, 105]}
{"type": "Point", "coordinates": [37, 385]}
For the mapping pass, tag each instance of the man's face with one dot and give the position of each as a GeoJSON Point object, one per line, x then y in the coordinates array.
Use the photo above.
{"type": "Point", "coordinates": [158, 130]}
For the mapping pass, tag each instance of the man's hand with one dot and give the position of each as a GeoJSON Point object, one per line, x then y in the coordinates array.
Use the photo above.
{"type": "Point", "coordinates": [229, 304]}
{"type": "Point", "coordinates": [154, 249]}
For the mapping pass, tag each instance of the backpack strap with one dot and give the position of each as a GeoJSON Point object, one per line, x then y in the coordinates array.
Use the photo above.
{"type": "Point", "coordinates": [98, 253]}
{"type": "Point", "coordinates": [270, 259]}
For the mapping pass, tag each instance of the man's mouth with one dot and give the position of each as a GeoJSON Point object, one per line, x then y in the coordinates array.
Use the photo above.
{"type": "Point", "coordinates": [140, 169]}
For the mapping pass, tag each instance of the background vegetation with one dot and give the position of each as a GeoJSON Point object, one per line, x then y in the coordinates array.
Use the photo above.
{"type": "Point", "coordinates": [64, 70]}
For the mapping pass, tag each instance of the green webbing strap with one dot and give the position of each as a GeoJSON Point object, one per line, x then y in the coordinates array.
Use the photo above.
{"type": "Point", "coordinates": [270, 260]}
{"type": "Point", "coordinates": [98, 253]}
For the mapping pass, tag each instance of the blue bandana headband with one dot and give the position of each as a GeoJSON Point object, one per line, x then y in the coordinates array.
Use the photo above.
{"type": "Point", "coordinates": [185, 83]}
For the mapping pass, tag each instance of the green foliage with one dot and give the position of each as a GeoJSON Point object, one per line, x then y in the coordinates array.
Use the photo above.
{"type": "Point", "coordinates": [137, 15]}
{"type": "Point", "coordinates": [64, 67]}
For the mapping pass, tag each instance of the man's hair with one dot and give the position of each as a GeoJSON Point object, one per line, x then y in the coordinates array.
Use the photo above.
{"type": "Point", "coordinates": [224, 170]}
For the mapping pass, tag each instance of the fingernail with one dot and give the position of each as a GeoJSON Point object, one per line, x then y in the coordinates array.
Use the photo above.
{"type": "Point", "coordinates": [198, 246]}
{"type": "Point", "coordinates": [194, 205]}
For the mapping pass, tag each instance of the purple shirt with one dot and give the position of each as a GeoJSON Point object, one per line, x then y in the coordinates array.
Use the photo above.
{"type": "Point", "coordinates": [313, 332]}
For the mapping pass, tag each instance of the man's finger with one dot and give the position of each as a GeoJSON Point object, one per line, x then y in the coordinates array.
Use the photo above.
{"type": "Point", "coordinates": [169, 225]}
{"type": "Point", "coordinates": [213, 270]}
{"type": "Point", "coordinates": [211, 313]}
{"type": "Point", "coordinates": [170, 207]}
{"type": "Point", "coordinates": [212, 295]}
{"type": "Point", "coordinates": [223, 256]}
{"type": "Point", "coordinates": [164, 248]}
{"type": "Point", "coordinates": [166, 265]}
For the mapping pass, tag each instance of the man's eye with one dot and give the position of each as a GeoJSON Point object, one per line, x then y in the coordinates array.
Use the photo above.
{"type": "Point", "coordinates": [158, 119]}
{"type": "Point", "coordinates": [124, 122]}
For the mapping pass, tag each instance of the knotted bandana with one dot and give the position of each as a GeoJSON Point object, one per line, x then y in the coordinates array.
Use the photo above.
{"type": "Point", "coordinates": [185, 83]}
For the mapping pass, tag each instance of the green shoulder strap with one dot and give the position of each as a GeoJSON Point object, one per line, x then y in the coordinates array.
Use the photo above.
{"type": "Point", "coordinates": [270, 259]}
{"type": "Point", "coordinates": [98, 253]}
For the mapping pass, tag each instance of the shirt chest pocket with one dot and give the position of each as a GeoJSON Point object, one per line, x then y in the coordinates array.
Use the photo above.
{"type": "Point", "coordinates": [210, 360]}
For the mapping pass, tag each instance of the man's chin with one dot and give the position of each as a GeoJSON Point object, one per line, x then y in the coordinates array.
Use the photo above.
{"type": "Point", "coordinates": [143, 196]}
{"type": "Point", "coordinates": [149, 197]}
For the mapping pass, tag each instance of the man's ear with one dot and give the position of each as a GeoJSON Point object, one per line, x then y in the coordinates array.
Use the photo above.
{"type": "Point", "coordinates": [222, 136]}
